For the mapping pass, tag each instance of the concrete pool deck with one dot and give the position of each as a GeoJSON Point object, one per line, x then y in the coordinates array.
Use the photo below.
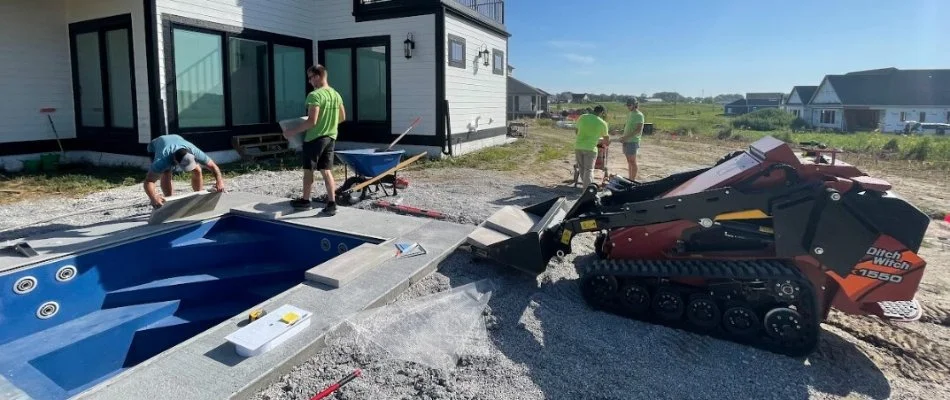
{"type": "Point", "coordinates": [207, 366]}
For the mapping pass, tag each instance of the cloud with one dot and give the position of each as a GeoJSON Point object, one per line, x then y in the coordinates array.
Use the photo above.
{"type": "Point", "coordinates": [580, 59]}
{"type": "Point", "coordinates": [571, 44]}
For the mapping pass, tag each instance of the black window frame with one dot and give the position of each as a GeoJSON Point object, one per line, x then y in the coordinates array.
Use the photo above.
{"type": "Point", "coordinates": [498, 67]}
{"type": "Point", "coordinates": [448, 52]}
{"type": "Point", "coordinates": [830, 114]}
{"type": "Point", "coordinates": [354, 129]}
{"type": "Point", "coordinates": [226, 33]}
{"type": "Point", "coordinates": [106, 134]}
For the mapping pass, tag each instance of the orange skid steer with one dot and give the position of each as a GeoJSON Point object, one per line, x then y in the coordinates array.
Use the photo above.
{"type": "Point", "coordinates": [755, 249]}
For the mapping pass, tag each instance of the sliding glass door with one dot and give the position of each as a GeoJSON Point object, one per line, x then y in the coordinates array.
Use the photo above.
{"type": "Point", "coordinates": [103, 83]}
{"type": "Point", "coordinates": [359, 70]}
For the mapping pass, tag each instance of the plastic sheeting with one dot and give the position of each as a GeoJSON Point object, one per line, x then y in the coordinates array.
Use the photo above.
{"type": "Point", "coordinates": [430, 330]}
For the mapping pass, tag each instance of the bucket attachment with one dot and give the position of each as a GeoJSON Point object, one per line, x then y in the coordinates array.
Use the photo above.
{"type": "Point", "coordinates": [521, 238]}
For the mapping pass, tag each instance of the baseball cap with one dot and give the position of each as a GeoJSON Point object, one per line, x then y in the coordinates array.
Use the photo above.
{"type": "Point", "coordinates": [598, 109]}
{"type": "Point", "coordinates": [632, 101]}
{"type": "Point", "coordinates": [186, 160]}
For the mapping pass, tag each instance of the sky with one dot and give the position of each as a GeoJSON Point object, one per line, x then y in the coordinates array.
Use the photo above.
{"type": "Point", "coordinates": [702, 47]}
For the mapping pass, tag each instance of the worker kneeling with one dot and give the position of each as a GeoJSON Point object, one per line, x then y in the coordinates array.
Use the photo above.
{"type": "Point", "coordinates": [591, 130]}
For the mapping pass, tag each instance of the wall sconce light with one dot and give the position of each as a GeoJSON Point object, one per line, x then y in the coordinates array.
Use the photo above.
{"type": "Point", "coordinates": [408, 45]}
{"type": "Point", "coordinates": [484, 54]}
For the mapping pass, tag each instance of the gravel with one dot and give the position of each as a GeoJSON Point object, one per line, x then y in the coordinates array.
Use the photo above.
{"type": "Point", "coordinates": [540, 340]}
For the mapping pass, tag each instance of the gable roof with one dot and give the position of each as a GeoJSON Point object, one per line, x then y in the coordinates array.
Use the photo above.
{"type": "Point", "coordinates": [893, 87]}
{"type": "Point", "coordinates": [804, 93]}
{"type": "Point", "coordinates": [518, 87]}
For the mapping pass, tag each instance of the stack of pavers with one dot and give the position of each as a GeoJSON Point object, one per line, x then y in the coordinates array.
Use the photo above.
{"type": "Point", "coordinates": [502, 225]}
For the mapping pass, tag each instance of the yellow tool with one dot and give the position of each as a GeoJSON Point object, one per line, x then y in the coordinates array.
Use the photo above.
{"type": "Point", "coordinates": [254, 315]}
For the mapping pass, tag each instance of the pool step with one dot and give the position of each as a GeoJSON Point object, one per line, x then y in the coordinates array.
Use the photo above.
{"type": "Point", "coordinates": [186, 323]}
{"type": "Point", "coordinates": [217, 283]}
{"type": "Point", "coordinates": [75, 354]}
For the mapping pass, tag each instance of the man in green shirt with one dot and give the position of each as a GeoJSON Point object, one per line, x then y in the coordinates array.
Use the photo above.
{"type": "Point", "coordinates": [590, 129]}
{"type": "Point", "coordinates": [632, 131]}
{"type": "Point", "coordinates": [325, 112]}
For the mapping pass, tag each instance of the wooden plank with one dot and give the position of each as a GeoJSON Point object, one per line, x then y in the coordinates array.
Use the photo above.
{"type": "Point", "coordinates": [380, 176]}
{"type": "Point", "coordinates": [340, 270]}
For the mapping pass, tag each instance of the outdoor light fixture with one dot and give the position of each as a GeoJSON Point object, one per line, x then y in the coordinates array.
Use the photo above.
{"type": "Point", "coordinates": [484, 54]}
{"type": "Point", "coordinates": [408, 45]}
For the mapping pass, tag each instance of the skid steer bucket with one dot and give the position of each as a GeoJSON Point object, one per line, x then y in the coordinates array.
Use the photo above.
{"type": "Point", "coordinates": [521, 238]}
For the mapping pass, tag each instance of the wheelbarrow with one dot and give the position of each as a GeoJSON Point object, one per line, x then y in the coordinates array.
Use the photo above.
{"type": "Point", "coordinates": [373, 169]}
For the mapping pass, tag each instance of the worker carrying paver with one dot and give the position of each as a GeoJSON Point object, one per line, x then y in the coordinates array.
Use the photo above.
{"type": "Point", "coordinates": [591, 130]}
{"type": "Point", "coordinates": [173, 152]}
{"type": "Point", "coordinates": [325, 111]}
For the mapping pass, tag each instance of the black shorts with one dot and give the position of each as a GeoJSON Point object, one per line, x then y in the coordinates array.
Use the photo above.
{"type": "Point", "coordinates": [318, 151]}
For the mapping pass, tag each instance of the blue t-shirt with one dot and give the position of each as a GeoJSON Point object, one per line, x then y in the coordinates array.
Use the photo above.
{"type": "Point", "coordinates": [164, 148]}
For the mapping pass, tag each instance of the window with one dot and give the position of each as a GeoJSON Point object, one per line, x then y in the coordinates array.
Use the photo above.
{"type": "Point", "coordinates": [456, 51]}
{"type": "Point", "coordinates": [237, 80]}
{"type": "Point", "coordinates": [796, 113]}
{"type": "Point", "coordinates": [498, 65]}
{"type": "Point", "coordinates": [827, 116]}
{"type": "Point", "coordinates": [903, 116]}
{"type": "Point", "coordinates": [102, 77]}
{"type": "Point", "coordinates": [923, 117]}
{"type": "Point", "coordinates": [948, 117]}
{"type": "Point", "coordinates": [359, 70]}
{"type": "Point", "coordinates": [290, 68]}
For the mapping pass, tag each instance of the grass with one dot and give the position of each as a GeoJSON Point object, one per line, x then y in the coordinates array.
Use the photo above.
{"type": "Point", "coordinates": [541, 145]}
{"type": "Point", "coordinates": [78, 179]}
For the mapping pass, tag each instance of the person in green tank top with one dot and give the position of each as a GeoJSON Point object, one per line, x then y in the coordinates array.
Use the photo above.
{"type": "Point", "coordinates": [632, 132]}
{"type": "Point", "coordinates": [591, 130]}
{"type": "Point", "coordinates": [325, 112]}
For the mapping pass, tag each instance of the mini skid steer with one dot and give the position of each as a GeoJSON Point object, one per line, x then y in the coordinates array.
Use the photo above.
{"type": "Point", "coordinates": [755, 249]}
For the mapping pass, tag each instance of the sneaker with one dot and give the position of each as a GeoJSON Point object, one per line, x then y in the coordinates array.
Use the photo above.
{"type": "Point", "coordinates": [300, 203]}
{"type": "Point", "coordinates": [330, 209]}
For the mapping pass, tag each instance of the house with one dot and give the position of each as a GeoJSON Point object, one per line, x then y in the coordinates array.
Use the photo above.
{"type": "Point", "coordinates": [797, 102]}
{"type": "Point", "coordinates": [580, 98]}
{"type": "Point", "coordinates": [885, 99]}
{"type": "Point", "coordinates": [121, 72]}
{"type": "Point", "coordinates": [525, 100]}
{"type": "Point", "coordinates": [754, 102]}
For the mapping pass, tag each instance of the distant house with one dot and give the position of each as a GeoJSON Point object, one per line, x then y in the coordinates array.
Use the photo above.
{"type": "Point", "coordinates": [884, 99]}
{"type": "Point", "coordinates": [525, 100]}
{"type": "Point", "coordinates": [653, 100]}
{"type": "Point", "coordinates": [580, 98]}
{"type": "Point", "coordinates": [797, 102]}
{"type": "Point", "coordinates": [754, 102]}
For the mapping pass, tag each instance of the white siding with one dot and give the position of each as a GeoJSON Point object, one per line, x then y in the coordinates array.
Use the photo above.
{"type": "Point", "coordinates": [34, 70]}
{"type": "Point", "coordinates": [794, 98]}
{"type": "Point", "coordinates": [412, 80]}
{"type": "Point", "coordinates": [286, 17]}
{"type": "Point", "coordinates": [838, 118]}
{"type": "Point", "coordinates": [892, 116]}
{"type": "Point", "coordinates": [81, 10]}
{"type": "Point", "coordinates": [791, 109]}
{"type": "Point", "coordinates": [474, 93]}
{"type": "Point", "coordinates": [826, 94]}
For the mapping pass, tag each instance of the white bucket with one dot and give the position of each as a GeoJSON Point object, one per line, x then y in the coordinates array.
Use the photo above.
{"type": "Point", "coordinates": [295, 141]}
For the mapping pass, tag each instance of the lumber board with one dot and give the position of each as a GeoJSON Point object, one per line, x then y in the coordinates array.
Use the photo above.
{"type": "Point", "coordinates": [389, 171]}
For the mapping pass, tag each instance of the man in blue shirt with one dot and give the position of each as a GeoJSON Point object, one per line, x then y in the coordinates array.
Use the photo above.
{"type": "Point", "coordinates": [170, 152]}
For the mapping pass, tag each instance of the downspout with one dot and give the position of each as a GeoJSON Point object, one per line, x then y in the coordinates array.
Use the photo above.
{"type": "Point", "coordinates": [448, 129]}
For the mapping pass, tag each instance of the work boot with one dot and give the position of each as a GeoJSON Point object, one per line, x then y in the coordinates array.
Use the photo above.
{"type": "Point", "coordinates": [300, 204]}
{"type": "Point", "coordinates": [330, 209]}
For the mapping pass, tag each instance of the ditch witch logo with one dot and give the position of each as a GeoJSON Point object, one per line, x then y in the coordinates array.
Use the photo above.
{"type": "Point", "coordinates": [886, 258]}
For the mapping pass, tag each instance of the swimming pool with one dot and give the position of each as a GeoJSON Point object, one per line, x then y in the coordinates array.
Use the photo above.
{"type": "Point", "coordinates": [71, 323]}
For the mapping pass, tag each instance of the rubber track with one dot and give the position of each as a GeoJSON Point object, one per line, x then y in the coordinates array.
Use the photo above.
{"type": "Point", "coordinates": [738, 270]}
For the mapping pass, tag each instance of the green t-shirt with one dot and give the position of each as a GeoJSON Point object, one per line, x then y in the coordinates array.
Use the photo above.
{"type": "Point", "coordinates": [635, 118]}
{"type": "Point", "coordinates": [590, 128]}
{"type": "Point", "coordinates": [329, 103]}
